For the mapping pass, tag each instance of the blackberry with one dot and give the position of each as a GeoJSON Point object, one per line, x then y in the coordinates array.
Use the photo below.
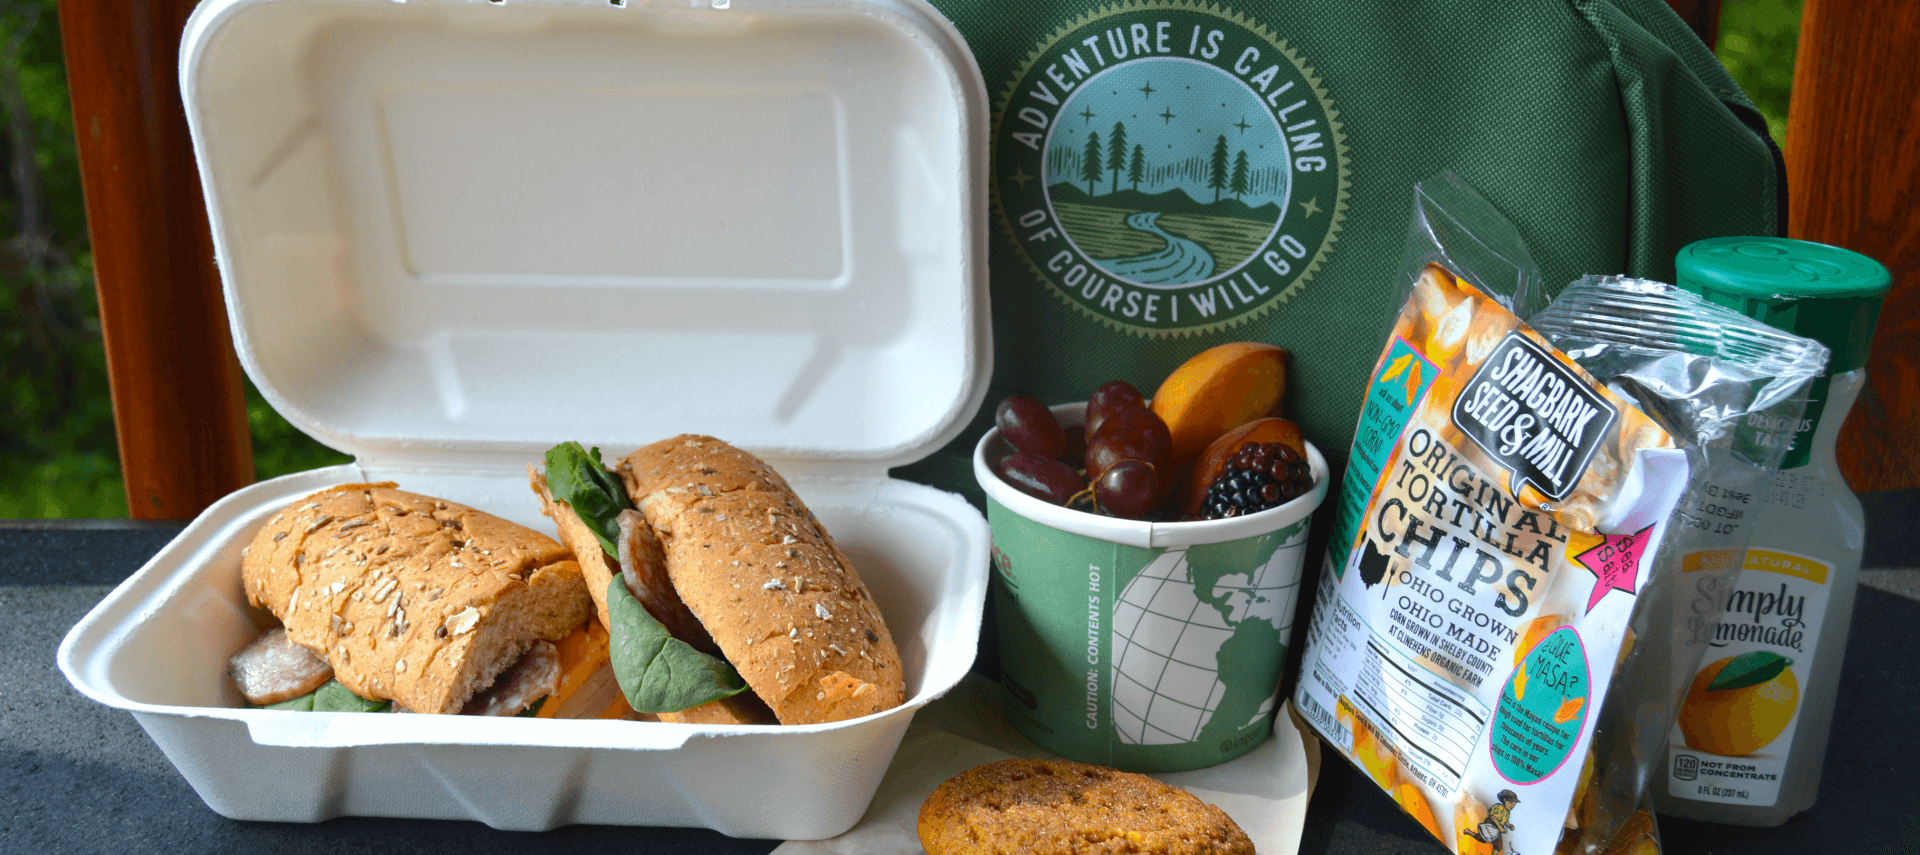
{"type": "Point", "coordinates": [1257, 477]}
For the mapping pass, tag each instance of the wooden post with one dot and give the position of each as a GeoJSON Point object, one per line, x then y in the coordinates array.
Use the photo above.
{"type": "Point", "coordinates": [178, 401]}
{"type": "Point", "coordinates": [1853, 179]}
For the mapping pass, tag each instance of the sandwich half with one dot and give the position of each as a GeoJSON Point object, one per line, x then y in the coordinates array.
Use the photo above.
{"type": "Point", "coordinates": [726, 558]}
{"type": "Point", "coordinates": [417, 600]}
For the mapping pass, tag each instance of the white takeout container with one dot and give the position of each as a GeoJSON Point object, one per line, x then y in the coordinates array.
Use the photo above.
{"type": "Point", "coordinates": [454, 233]}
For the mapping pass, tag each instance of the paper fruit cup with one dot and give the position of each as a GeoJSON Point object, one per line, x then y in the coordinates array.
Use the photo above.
{"type": "Point", "coordinates": [1148, 647]}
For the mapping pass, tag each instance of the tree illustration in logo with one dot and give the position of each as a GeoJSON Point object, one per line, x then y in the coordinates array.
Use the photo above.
{"type": "Point", "coordinates": [1217, 169]}
{"type": "Point", "coordinates": [1117, 153]}
{"type": "Point", "coordinates": [1090, 170]}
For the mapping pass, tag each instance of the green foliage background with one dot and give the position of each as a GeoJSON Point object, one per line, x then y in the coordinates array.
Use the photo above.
{"type": "Point", "coordinates": [1756, 45]}
{"type": "Point", "coordinates": [58, 456]}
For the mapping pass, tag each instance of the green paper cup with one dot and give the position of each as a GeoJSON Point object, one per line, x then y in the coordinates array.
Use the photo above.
{"type": "Point", "coordinates": [1148, 647]}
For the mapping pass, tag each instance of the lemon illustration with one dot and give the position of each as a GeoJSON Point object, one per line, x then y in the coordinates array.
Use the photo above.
{"type": "Point", "coordinates": [1739, 704]}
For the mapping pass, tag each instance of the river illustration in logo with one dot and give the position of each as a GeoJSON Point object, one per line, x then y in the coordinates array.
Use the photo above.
{"type": "Point", "coordinates": [1168, 169]}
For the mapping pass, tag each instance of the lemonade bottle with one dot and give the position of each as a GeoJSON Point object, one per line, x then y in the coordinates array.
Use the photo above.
{"type": "Point", "coordinates": [1752, 729]}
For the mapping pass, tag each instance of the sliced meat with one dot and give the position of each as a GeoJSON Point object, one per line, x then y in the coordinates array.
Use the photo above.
{"type": "Point", "coordinates": [535, 676]}
{"type": "Point", "coordinates": [274, 669]}
{"type": "Point", "coordinates": [643, 564]}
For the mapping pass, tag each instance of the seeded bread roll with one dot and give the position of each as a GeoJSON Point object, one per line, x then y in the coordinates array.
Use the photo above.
{"type": "Point", "coordinates": [599, 570]}
{"type": "Point", "coordinates": [753, 564]}
{"type": "Point", "coordinates": [412, 599]}
{"type": "Point", "coordinates": [595, 567]}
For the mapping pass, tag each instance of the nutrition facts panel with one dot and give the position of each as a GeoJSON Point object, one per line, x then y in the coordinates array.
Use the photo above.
{"type": "Point", "coordinates": [1432, 722]}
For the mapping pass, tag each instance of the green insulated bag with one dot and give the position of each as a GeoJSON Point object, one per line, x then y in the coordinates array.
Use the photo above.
{"type": "Point", "coordinates": [1172, 175]}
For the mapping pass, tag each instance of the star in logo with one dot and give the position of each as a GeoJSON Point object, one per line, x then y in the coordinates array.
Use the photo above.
{"type": "Point", "coordinates": [1019, 178]}
{"type": "Point", "coordinates": [1242, 125]}
{"type": "Point", "coordinates": [1310, 207]}
{"type": "Point", "coordinates": [1088, 113]}
{"type": "Point", "coordinates": [1167, 116]}
{"type": "Point", "coordinates": [1147, 90]}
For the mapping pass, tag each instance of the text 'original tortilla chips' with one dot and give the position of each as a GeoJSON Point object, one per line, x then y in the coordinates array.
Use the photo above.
{"type": "Point", "coordinates": [1501, 511]}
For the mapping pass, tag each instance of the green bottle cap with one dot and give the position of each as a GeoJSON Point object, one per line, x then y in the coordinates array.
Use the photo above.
{"type": "Point", "coordinates": [1826, 293]}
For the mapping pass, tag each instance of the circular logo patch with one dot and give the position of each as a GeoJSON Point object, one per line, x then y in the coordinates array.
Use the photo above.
{"type": "Point", "coordinates": [1170, 169]}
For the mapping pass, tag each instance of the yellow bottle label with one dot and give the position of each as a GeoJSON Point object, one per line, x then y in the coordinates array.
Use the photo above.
{"type": "Point", "coordinates": [1735, 728]}
{"type": "Point", "coordinates": [1785, 564]}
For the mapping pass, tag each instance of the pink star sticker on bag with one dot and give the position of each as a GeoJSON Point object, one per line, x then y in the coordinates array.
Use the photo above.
{"type": "Point", "coordinates": [1615, 563]}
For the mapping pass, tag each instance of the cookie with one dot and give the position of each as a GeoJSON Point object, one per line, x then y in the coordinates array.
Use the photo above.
{"type": "Point", "coordinates": [1057, 807]}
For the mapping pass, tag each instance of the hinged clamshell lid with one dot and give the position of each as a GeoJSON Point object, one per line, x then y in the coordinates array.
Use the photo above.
{"type": "Point", "coordinates": [456, 232]}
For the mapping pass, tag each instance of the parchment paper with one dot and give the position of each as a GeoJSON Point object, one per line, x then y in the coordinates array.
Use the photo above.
{"type": "Point", "coordinates": [1264, 790]}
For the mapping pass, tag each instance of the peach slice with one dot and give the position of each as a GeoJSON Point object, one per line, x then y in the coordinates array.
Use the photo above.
{"type": "Point", "coordinates": [1214, 459]}
{"type": "Point", "coordinates": [1219, 389]}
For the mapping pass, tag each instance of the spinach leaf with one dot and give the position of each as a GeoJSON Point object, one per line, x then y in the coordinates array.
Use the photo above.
{"type": "Point", "coordinates": [576, 476]}
{"type": "Point", "coordinates": [334, 697]}
{"type": "Point", "coordinates": [657, 672]}
{"type": "Point", "coordinates": [330, 697]}
{"type": "Point", "coordinates": [304, 703]}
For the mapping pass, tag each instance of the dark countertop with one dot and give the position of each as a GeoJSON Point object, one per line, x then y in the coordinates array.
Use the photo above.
{"type": "Point", "coordinates": [81, 777]}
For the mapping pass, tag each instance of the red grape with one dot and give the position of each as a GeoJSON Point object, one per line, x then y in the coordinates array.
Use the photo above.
{"type": "Point", "coordinates": [1130, 433]}
{"type": "Point", "coordinates": [1108, 398]}
{"type": "Point", "coordinates": [1028, 425]}
{"type": "Point", "coordinates": [1041, 477]}
{"type": "Point", "coordinates": [1076, 454]}
{"type": "Point", "coordinates": [1127, 489]}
